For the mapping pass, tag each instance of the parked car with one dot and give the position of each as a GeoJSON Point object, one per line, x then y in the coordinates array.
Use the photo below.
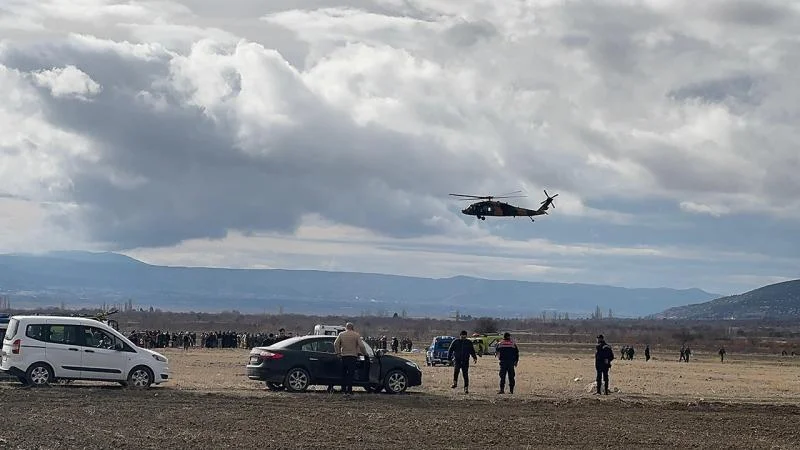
{"type": "Point", "coordinates": [39, 350]}
{"type": "Point", "coordinates": [437, 351]}
{"type": "Point", "coordinates": [299, 362]}
{"type": "Point", "coordinates": [327, 330]}
{"type": "Point", "coordinates": [4, 319]}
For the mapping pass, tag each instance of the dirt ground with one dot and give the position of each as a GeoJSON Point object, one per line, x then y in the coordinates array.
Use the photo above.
{"type": "Point", "coordinates": [746, 402]}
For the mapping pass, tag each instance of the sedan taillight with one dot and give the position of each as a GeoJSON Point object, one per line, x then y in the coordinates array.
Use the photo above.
{"type": "Point", "coordinates": [269, 355]}
{"type": "Point", "coordinates": [259, 357]}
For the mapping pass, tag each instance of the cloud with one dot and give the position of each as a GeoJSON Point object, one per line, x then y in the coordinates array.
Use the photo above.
{"type": "Point", "coordinates": [715, 211]}
{"type": "Point", "coordinates": [68, 81]}
{"type": "Point", "coordinates": [150, 124]}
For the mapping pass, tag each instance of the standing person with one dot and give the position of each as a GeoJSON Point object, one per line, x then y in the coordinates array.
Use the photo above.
{"type": "Point", "coordinates": [348, 345]}
{"type": "Point", "coordinates": [460, 351]}
{"type": "Point", "coordinates": [602, 362]}
{"type": "Point", "coordinates": [722, 354]}
{"type": "Point", "coordinates": [647, 352]}
{"type": "Point", "coordinates": [508, 354]}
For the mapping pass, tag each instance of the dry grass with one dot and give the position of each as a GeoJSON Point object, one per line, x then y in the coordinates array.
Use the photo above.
{"type": "Point", "coordinates": [553, 374]}
{"type": "Point", "coordinates": [750, 402]}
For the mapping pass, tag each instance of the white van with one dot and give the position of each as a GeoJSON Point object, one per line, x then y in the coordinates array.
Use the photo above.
{"type": "Point", "coordinates": [39, 350]}
{"type": "Point", "coordinates": [328, 330]}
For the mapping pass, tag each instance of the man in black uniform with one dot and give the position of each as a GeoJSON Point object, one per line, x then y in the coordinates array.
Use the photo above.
{"type": "Point", "coordinates": [508, 354]}
{"type": "Point", "coordinates": [460, 350]}
{"type": "Point", "coordinates": [602, 362]}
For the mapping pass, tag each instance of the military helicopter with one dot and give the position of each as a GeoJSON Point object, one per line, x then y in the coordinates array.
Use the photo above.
{"type": "Point", "coordinates": [102, 316]}
{"type": "Point", "coordinates": [490, 207]}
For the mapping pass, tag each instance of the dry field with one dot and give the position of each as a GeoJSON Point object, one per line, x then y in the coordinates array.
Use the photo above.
{"type": "Point", "coordinates": [747, 402]}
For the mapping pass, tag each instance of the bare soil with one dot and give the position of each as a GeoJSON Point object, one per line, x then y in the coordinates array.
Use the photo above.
{"type": "Point", "coordinates": [747, 402]}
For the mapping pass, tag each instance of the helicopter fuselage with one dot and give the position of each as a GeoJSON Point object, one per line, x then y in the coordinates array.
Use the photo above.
{"type": "Point", "coordinates": [494, 208]}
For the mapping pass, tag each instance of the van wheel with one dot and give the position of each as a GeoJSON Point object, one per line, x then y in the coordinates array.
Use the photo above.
{"type": "Point", "coordinates": [297, 380]}
{"type": "Point", "coordinates": [140, 378]}
{"type": "Point", "coordinates": [39, 374]}
{"type": "Point", "coordinates": [396, 382]}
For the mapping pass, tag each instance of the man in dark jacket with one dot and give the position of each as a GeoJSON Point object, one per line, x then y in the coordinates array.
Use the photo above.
{"type": "Point", "coordinates": [508, 354]}
{"type": "Point", "coordinates": [460, 351]}
{"type": "Point", "coordinates": [602, 362]}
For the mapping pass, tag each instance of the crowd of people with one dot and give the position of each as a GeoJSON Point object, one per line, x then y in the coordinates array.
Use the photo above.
{"type": "Point", "coordinates": [210, 339]}
{"type": "Point", "coordinates": [232, 339]}
{"type": "Point", "coordinates": [396, 345]}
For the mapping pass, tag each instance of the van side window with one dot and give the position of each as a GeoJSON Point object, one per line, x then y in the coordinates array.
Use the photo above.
{"type": "Point", "coordinates": [97, 338]}
{"type": "Point", "coordinates": [38, 332]}
{"type": "Point", "coordinates": [63, 334]}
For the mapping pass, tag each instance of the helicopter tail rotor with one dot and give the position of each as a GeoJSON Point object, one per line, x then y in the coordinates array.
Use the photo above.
{"type": "Point", "coordinates": [549, 200]}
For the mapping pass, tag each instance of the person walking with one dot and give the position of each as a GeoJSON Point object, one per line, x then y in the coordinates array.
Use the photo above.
{"type": "Point", "coordinates": [602, 362]}
{"type": "Point", "coordinates": [348, 345]}
{"type": "Point", "coordinates": [722, 354]}
{"type": "Point", "coordinates": [508, 354]}
{"type": "Point", "coordinates": [647, 352]}
{"type": "Point", "coordinates": [459, 352]}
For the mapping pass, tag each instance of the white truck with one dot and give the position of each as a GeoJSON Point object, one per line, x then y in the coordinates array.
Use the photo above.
{"type": "Point", "coordinates": [328, 330]}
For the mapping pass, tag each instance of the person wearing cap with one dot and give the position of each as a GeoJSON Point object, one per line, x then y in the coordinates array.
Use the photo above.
{"type": "Point", "coordinates": [348, 345]}
{"type": "Point", "coordinates": [602, 362]}
{"type": "Point", "coordinates": [508, 354]}
{"type": "Point", "coordinates": [459, 352]}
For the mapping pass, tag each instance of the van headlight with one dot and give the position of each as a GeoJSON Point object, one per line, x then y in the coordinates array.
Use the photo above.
{"type": "Point", "coordinates": [160, 358]}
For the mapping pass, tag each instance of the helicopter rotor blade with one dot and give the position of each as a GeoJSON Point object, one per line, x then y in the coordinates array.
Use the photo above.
{"type": "Point", "coordinates": [469, 196]}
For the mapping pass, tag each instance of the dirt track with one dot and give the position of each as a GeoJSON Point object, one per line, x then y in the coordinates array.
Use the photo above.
{"type": "Point", "coordinates": [97, 417]}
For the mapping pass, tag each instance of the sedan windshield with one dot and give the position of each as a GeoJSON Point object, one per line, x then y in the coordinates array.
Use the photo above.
{"type": "Point", "coordinates": [443, 345]}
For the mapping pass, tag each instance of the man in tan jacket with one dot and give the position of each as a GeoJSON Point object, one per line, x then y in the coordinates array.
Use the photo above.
{"type": "Point", "coordinates": [348, 346]}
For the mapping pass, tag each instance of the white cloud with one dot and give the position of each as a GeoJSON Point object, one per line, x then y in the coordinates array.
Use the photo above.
{"type": "Point", "coordinates": [68, 81]}
{"type": "Point", "coordinates": [205, 119]}
{"type": "Point", "coordinates": [713, 210]}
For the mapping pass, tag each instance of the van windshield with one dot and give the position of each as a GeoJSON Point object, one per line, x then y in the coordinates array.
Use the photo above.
{"type": "Point", "coordinates": [12, 329]}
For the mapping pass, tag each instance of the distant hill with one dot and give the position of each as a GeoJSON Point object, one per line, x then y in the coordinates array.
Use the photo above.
{"type": "Point", "coordinates": [90, 279]}
{"type": "Point", "coordinates": [775, 301]}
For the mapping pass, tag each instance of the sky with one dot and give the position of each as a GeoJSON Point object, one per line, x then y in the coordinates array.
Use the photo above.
{"type": "Point", "coordinates": [328, 135]}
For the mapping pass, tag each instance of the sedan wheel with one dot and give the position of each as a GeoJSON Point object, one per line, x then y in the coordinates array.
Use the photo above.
{"type": "Point", "coordinates": [297, 380]}
{"type": "Point", "coordinates": [396, 382]}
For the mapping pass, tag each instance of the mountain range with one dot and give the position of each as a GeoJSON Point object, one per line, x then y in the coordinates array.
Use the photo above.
{"type": "Point", "coordinates": [87, 279]}
{"type": "Point", "coordinates": [775, 301]}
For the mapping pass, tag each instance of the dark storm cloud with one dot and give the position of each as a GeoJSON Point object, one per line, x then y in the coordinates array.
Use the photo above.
{"type": "Point", "coordinates": [738, 88]}
{"type": "Point", "coordinates": [194, 181]}
{"type": "Point", "coordinates": [466, 34]}
{"type": "Point", "coordinates": [761, 13]}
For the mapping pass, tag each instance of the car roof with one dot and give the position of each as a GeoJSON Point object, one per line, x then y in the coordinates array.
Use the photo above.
{"type": "Point", "coordinates": [65, 319]}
